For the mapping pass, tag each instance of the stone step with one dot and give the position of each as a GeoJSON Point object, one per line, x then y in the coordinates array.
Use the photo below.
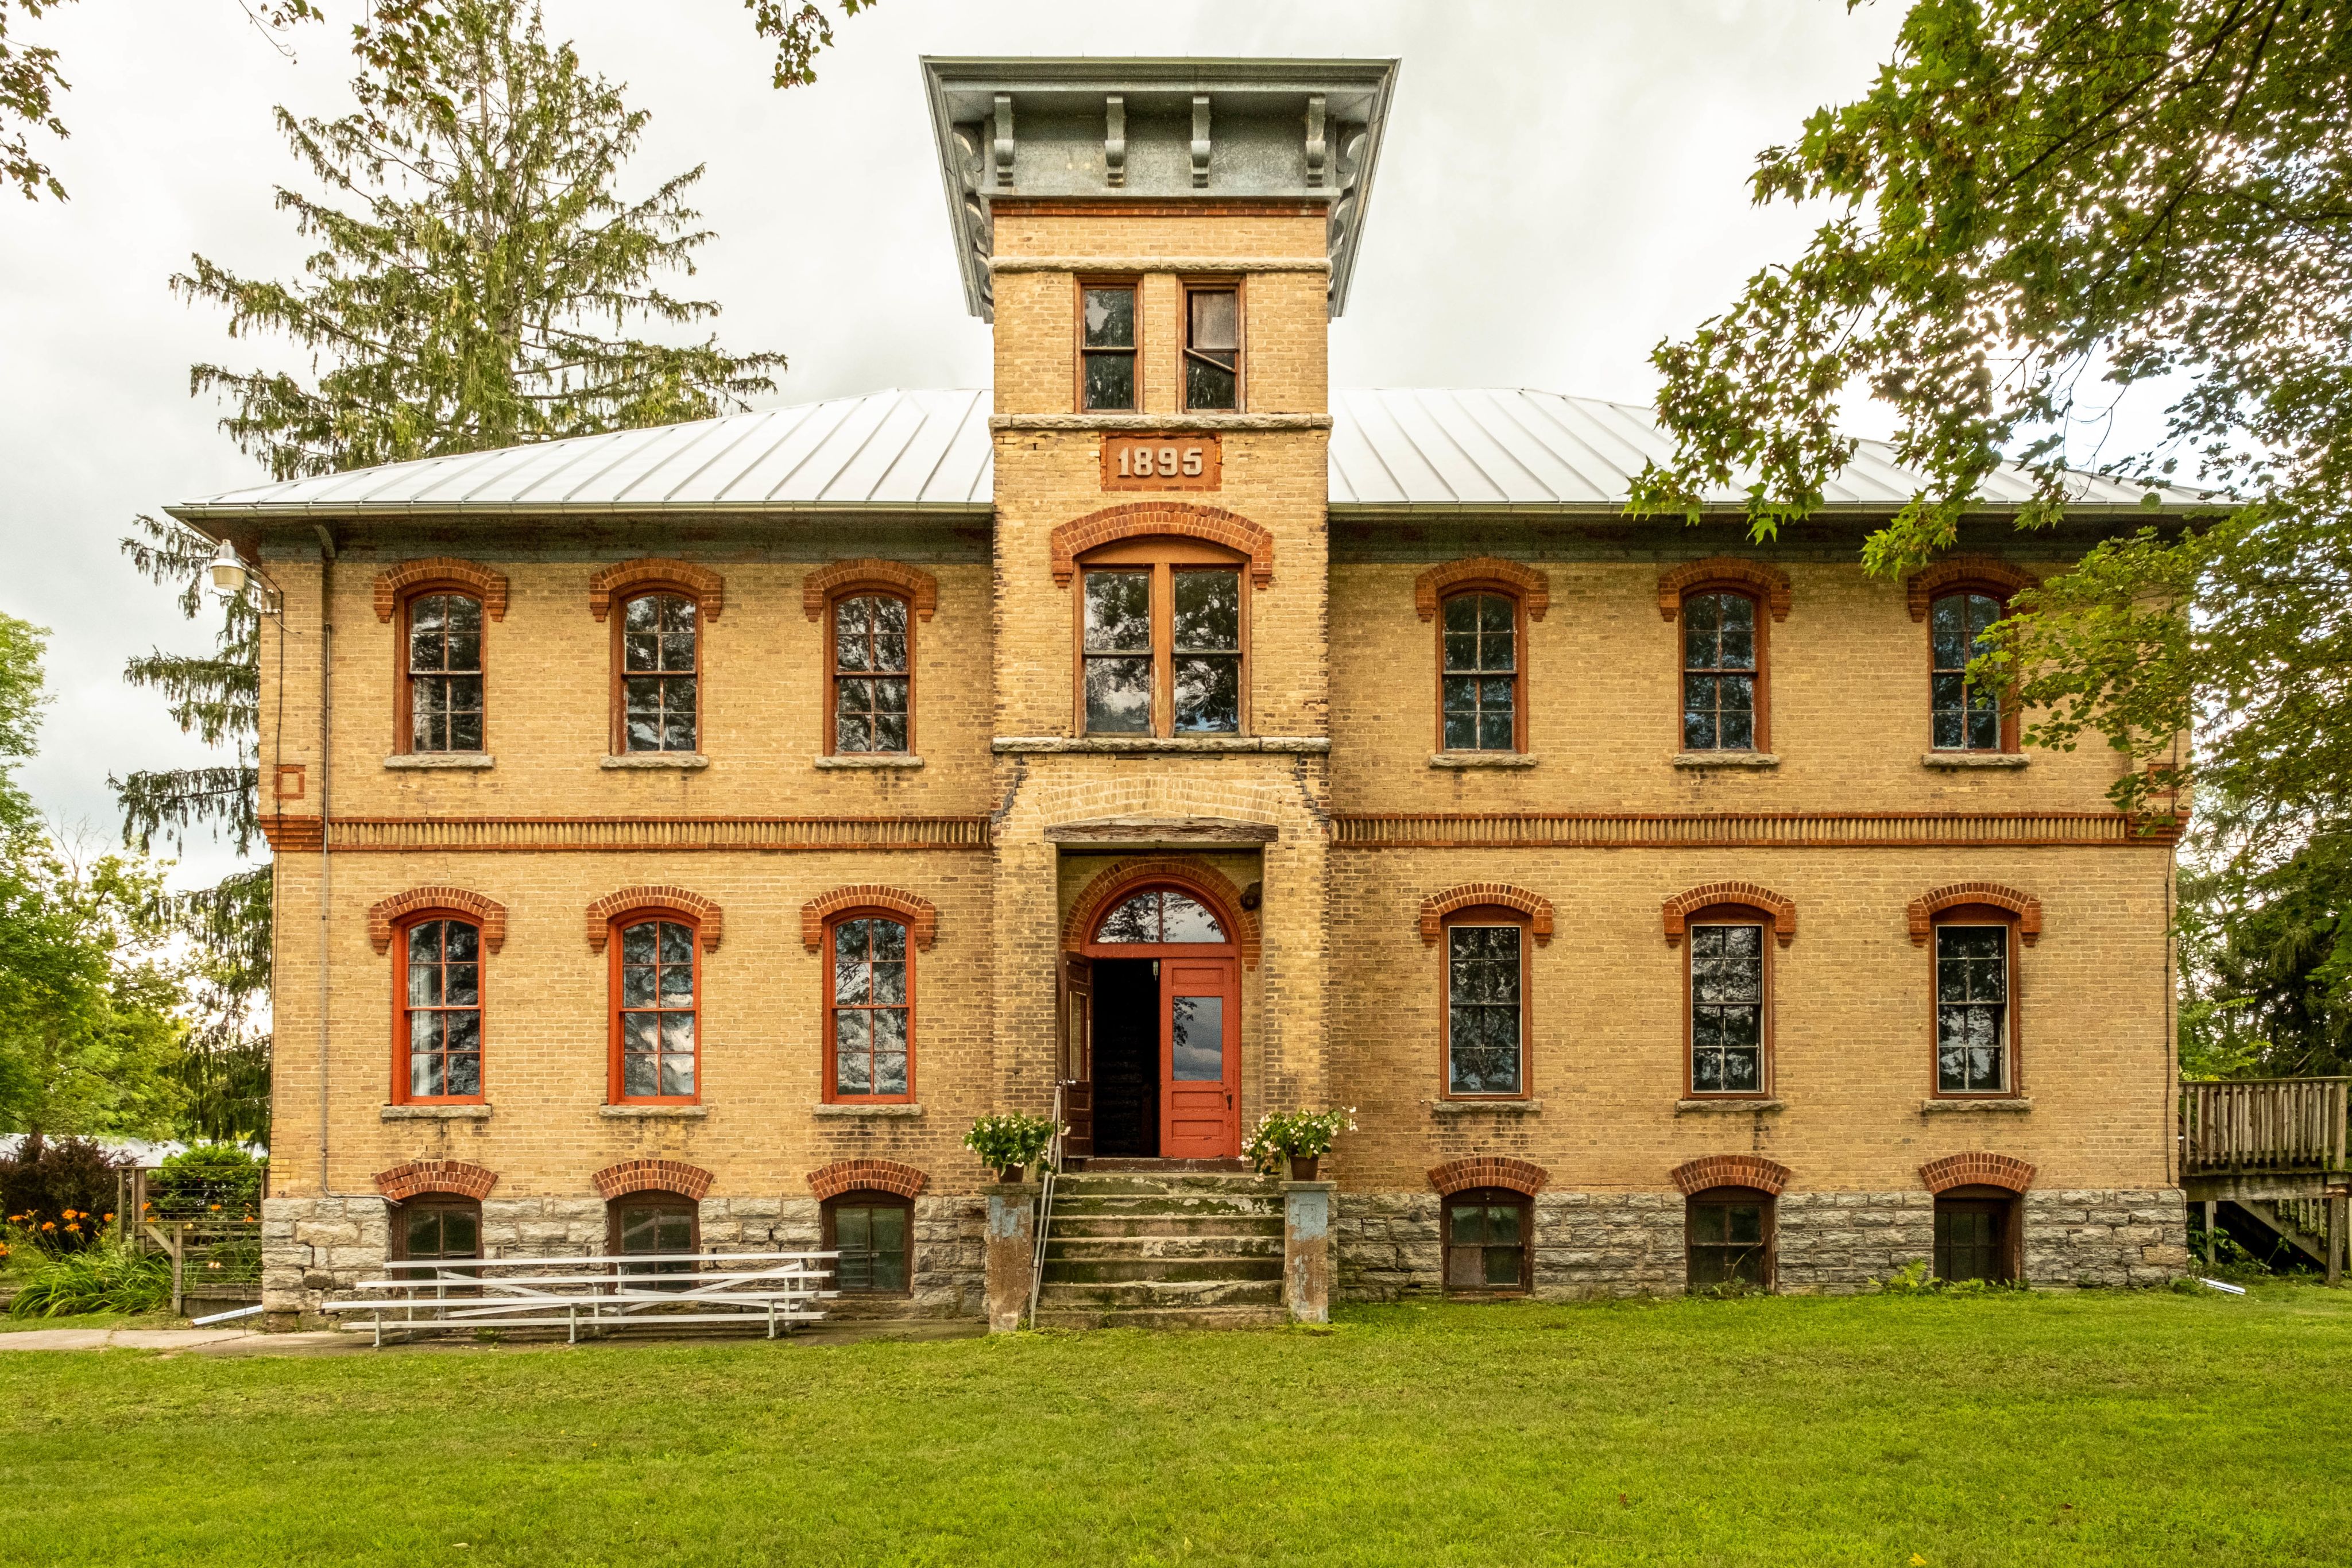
{"type": "Point", "coordinates": [1104, 1226]}
{"type": "Point", "coordinates": [1084, 1248]}
{"type": "Point", "coordinates": [1244, 1317]}
{"type": "Point", "coordinates": [1115, 1295]}
{"type": "Point", "coordinates": [1140, 1183]}
{"type": "Point", "coordinates": [1195, 1205]}
{"type": "Point", "coordinates": [1158, 1270]}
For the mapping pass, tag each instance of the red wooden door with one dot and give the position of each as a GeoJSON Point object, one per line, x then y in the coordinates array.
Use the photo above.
{"type": "Point", "coordinates": [1199, 1058]}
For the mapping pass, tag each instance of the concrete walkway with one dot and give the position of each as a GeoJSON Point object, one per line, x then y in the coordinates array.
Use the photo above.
{"type": "Point", "coordinates": [229, 1340]}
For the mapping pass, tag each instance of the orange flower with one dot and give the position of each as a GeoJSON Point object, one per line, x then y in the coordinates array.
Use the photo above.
{"type": "Point", "coordinates": [48, 1225]}
{"type": "Point", "coordinates": [110, 1219]}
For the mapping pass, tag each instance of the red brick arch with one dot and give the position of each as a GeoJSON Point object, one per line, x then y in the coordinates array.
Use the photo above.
{"type": "Point", "coordinates": [1139, 519]}
{"type": "Point", "coordinates": [1920, 589]}
{"type": "Point", "coordinates": [921, 915]}
{"type": "Point", "coordinates": [1488, 1170]}
{"type": "Point", "coordinates": [708, 919]}
{"type": "Point", "coordinates": [402, 1183]}
{"type": "Point", "coordinates": [867, 1175]}
{"type": "Point", "coordinates": [1682, 906]}
{"type": "Point", "coordinates": [1977, 1168]}
{"type": "Point", "coordinates": [489, 587]}
{"type": "Point", "coordinates": [386, 913]}
{"type": "Point", "coordinates": [699, 583]}
{"type": "Point", "coordinates": [920, 589]}
{"type": "Point", "coordinates": [651, 1175]}
{"type": "Point", "coordinates": [1532, 587]}
{"type": "Point", "coordinates": [1127, 876]}
{"type": "Point", "coordinates": [1471, 894]}
{"type": "Point", "coordinates": [1730, 1170]}
{"type": "Point", "coordinates": [1928, 905]}
{"type": "Point", "coordinates": [1761, 578]}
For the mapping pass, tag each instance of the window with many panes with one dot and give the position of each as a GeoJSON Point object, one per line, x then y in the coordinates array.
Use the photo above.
{"type": "Point", "coordinates": [440, 1013]}
{"type": "Point", "coordinates": [1106, 343]}
{"type": "Point", "coordinates": [655, 1022]}
{"type": "Point", "coordinates": [1975, 1022]}
{"type": "Point", "coordinates": [435, 1226]}
{"type": "Point", "coordinates": [1487, 1233]}
{"type": "Point", "coordinates": [1160, 643]}
{"type": "Point", "coordinates": [660, 672]}
{"type": "Point", "coordinates": [1722, 673]}
{"type": "Point", "coordinates": [1973, 1232]}
{"type": "Point", "coordinates": [873, 679]}
{"type": "Point", "coordinates": [1727, 1238]}
{"type": "Point", "coordinates": [1967, 716]}
{"type": "Point", "coordinates": [874, 1232]}
{"type": "Point", "coordinates": [1485, 1007]}
{"type": "Point", "coordinates": [1729, 1015]}
{"type": "Point", "coordinates": [663, 1227]}
{"type": "Point", "coordinates": [1479, 683]}
{"type": "Point", "coordinates": [869, 1010]}
{"type": "Point", "coordinates": [444, 669]}
{"type": "Point", "coordinates": [1212, 347]}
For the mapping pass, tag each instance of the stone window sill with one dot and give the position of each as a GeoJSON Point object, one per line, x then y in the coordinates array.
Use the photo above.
{"type": "Point", "coordinates": [1156, 745]}
{"type": "Point", "coordinates": [1965, 760]}
{"type": "Point", "coordinates": [1469, 1107]}
{"type": "Point", "coordinates": [653, 1112]}
{"type": "Point", "coordinates": [1726, 760]}
{"type": "Point", "coordinates": [1155, 422]}
{"type": "Point", "coordinates": [475, 761]}
{"type": "Point", "coordinates": [1723, 1107]}
{"type": "Point", "coordinates": [435, 1112]}
{"type": "Point", "coordinates": [1481, 759]}
{"type": "Point", "coordinates": [1944, 1107]}
{"type": "Point", "coordinates": [890, 1109]}
{"type": "Point", "coordinates": [863, 759]}
{"type": "Point", "coordinates": [668, 761]}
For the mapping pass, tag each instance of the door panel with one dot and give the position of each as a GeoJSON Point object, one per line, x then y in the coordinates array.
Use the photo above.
{"type": "Point", "coordinates": [1077, 1067]}
{"type": "Point", "coordinates": [1199, 1058]}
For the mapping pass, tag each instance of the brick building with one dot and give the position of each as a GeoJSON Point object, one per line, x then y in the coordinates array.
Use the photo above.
{"type": "Point", "coordinates": [682, 835]}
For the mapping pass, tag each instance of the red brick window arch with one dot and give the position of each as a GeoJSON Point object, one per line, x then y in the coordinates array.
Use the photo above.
{"type": "Point", "coordinates": [869, 609]}
{"type": "Point", "coordinates": [1726, 608]}
{"type": "Point", "coordinates": [1481, 606]}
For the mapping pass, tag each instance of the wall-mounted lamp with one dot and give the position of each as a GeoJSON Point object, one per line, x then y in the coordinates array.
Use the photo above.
{"type": "Point", "coordinates": [232, 578]}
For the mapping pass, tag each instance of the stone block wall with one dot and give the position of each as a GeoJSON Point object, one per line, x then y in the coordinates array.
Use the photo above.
{"type": "Point", "coordinates": [314, 1248]}
{"type": "Point", "coordinates": [2100, 1238]}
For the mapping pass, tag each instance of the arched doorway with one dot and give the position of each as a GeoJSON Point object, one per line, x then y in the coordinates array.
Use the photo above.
{"type": "Point", "coordinates": [1155, 1068]}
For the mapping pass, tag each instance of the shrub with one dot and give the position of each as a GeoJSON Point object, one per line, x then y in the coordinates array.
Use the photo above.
{"type": "Point", "coordinates": [209, 1179]}
{"type": "Point", "coordinates": [1281, 1136]}
{"type": "Point", "coordinates": [61, 1192]}
{"type": "Point", "coordinates": [1008, 1142]}
{"type": "Point", "coordinates": [100, 1278]}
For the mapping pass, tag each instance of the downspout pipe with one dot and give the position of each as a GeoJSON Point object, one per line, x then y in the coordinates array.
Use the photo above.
{"type": "Point", "coordinates": [326, 806]}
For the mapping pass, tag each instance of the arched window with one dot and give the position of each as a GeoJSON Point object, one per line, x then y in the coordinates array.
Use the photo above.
{"type": "Point", "coordinates": [1976, 1002]}
{"type": "Point", "coordinates": [438, 1022]}
{"type": "Point", "coordinates": [875, 1234]}
{"type": "Point", "coordinates": [1728, 1002]}
{"type": "Point", "coordinates": [660, 672]}
{"type": "Point", "coordinates": [656, 987]}
{"type": "Point", "coordinates": [1162, 625]}
{"type": "Point", "coordinates": [872, 687]}
{"type": "Point", "coordinates": [1967, 716]}
{"type": "Point", "coordinates": [1488, 1231]}
{"type": "Point", "coordinates": [869, 1009]}
{"type": "Point", "coordinates": [434, 1226]}
{"type": "Point", "coordinates": [1161, 915]}
{"type": "Point", "coordinates": [1486, 1003]}
{"type": "Point", "coordinates": [1724, 707]}
{"type": "Point", "coordinates": [1727, 1238]}
{"type": "Point", "coordinates": [442, 674]}
{"type": "Point", "coordinates": [1480, 638]}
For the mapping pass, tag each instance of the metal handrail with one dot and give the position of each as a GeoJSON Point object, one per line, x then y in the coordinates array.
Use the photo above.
{"type": "Point", "coordinates": [1053, 1168]}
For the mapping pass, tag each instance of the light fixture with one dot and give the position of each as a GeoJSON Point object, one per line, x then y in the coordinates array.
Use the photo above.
{"type": "Point", "coordinates": [228, 570]}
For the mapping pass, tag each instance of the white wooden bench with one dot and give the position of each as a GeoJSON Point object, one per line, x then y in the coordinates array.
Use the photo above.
{"type": "Point", "coordinates": [668, 1290]}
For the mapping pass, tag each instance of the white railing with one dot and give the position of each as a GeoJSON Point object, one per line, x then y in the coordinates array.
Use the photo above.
{"type": "Point", "coordinates": [2264, 1124]}
{"type": "Point", "coordinates": [666, 1289]}
{"type": "Point", "coordinates": [1053, 1169]}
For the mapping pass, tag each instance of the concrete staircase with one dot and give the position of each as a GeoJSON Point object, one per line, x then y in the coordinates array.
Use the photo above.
{"type": "Point", "coordinates": [1171, 1248]}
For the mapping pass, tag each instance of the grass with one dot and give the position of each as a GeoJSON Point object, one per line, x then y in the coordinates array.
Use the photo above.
{"type": "Point", "coordinates": [2098, 1427]}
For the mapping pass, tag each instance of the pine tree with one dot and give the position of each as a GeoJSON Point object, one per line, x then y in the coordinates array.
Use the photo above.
{"type": "Point", "coordinates": [476, 267]}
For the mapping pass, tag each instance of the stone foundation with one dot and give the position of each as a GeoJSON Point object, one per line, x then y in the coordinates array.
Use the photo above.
{"type": "Point", "coordinates": [314, 1248]}
{"type": "Point", "coordinates": [1631, 1244]}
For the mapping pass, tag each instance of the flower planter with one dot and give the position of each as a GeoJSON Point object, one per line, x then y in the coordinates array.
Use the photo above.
{"type": "Point", "coordinates": [1303, 1167]}
{"type": "Point", "coordinates": [1009, 1174]}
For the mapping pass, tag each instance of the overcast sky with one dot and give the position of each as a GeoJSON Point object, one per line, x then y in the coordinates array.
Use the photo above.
{"type": "Point", "coordinates": [1564, 182]}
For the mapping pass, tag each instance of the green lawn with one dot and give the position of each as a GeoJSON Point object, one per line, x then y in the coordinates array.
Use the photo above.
{"type": "Point", "coordinates": [2139, 1428]}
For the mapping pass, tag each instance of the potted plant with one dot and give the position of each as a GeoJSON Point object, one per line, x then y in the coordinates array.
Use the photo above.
{"type": "Point", "coordinates": [1298, 1140]}
{"type": "Point", "coordinates": [1010, 1141]}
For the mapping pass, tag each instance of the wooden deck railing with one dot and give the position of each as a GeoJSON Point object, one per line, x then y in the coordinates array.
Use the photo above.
{"type": "Point", "coordinates": [2268, 1124]}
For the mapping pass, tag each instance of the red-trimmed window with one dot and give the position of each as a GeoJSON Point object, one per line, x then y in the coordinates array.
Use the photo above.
{"type": "Point", "coordinates": [869, 1008]}
{"type": "Point", "coordinates": [1212, 345]}
{"type": "Point", "coordinates": [871, 694]}
{"type": "Point", "coordinates": [657, 999]}
{"type": "Point", "coordinates": [1488, 1231]}
{"type": "Point", "coordinates": [1724, 683]}
{"type": "Point", "coordinates": [437, 1019]}
{"type": "Point", "coordinates": [1481, 635]}
{"type": "Point", "coordinates": [441, 707]}
{"type": "Point", "coordinates": [434, 1226]}
{"type": "Point", "coordinates": [1728, 1239]}
{"type": "Point", "coordinates": [659, 673]}
{"type": "Point", "coordinates": [1485, 1004]}
{"type": "Point", "coordinates": [874, 1232]}
{"type": "Point", "coordinates": [1976, 1002]}
{"type": "Point", "coordinates": [1966, 715]}
{"type": "Point", "coordinates": [1162, 627]}
{"type": "Point", "coordinates": [1727, 1002]}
